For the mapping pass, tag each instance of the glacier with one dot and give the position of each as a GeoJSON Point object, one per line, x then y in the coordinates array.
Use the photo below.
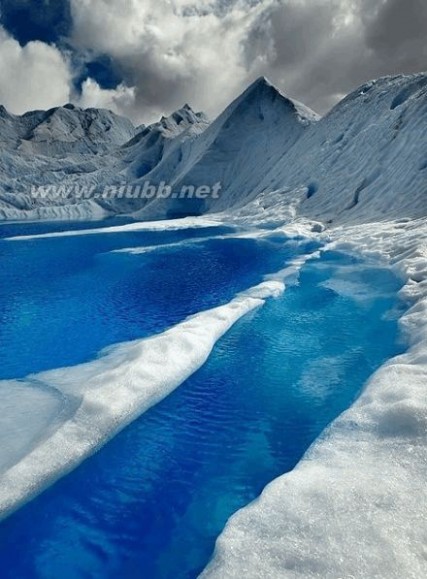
{"type": "Point", "coordinates": [355, 180]}
{"type": "Point", "coordinates": [181, 469]}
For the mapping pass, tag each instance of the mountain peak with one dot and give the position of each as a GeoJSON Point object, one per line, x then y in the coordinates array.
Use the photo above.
{"type": "Point", "coordinates": [261, 81]}
{"type": "Point", "coordinates": [68, 129]}
{"type": "Point", "coordinates": [183, 117]}
{"type": "Point", "coordinates": [259, 86]}
{"type": "Point", "coordinates": [263, 91]}
{"type": "Point", "coordinates": [3, 111]}
{"type": "Point", "coordinates": [170, 127]}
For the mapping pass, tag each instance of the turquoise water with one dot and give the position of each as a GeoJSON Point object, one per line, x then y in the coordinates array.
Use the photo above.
{"type": "Point", "coordinates": [64, 299]}
{"type": "Point", "coordinates": [151, 503]}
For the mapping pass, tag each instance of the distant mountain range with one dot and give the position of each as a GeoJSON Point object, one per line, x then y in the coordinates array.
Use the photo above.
{"type": "Point", "coordinates": [365, 160]}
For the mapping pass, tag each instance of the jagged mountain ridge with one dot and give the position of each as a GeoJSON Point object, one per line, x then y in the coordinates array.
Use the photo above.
{"type": "Point", "coordinates": [153, 143]}
{"type": "Point", "coordinates": [63, 130]}
{"type": "Point", "coordinates": [72, 147]}
{"type": "Point", "coordinates": [363, 159]}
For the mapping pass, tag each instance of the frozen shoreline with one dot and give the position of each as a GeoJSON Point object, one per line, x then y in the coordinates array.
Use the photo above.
{"type": "Point", "coordinates": [355, 505]}
{"type": "Point", "coordinates": [103, 396]}
{"type": "Point", "coordinates": [346, 506]}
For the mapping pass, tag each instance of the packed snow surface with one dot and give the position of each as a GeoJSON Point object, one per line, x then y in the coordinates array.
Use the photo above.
{"type": "Point", "coordinates": [165, 225]}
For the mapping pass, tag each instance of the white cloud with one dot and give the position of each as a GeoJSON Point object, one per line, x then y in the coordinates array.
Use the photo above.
{"type": "Point", "coordinates": [35, 76]}
{"type": "Point", "coordinates": [173, 51]}
{"type": "Point", "coordinates": [119, 100]}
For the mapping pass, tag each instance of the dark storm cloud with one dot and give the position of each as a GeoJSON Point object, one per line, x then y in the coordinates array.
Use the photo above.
{"type": "Point", "coordinates": [170, 52]}
{"type": "Point", "coordinates": [398, 34]}
{"type": "Point", "coordinates": [318, 50]}
{"type": "Point", "coordinates": [286, 35]}
{"type": "Point", "coordinates": [206, 52]}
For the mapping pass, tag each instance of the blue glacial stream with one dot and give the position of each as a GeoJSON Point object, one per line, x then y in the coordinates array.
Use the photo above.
{"type": "Point", "coordinates": [151, 503]}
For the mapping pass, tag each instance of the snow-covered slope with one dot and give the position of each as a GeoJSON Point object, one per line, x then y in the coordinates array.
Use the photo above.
{"type": "Point", "coordinates": [367, 159]}
{"type": "Point", "coordinates": [63, 130]}
{"type": "Point", "coordinates": [370, 147]}
{"type": "Point", "coordinates": [153, 144]}
{"type": "Point", "coordinates": [82, 150]}
{"type": "Point", "coordinates": [238, 150]}
{"type": "Point", "coordinates": [60, 146]}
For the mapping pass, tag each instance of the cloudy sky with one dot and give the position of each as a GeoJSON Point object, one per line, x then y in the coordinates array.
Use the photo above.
{"type": "Point", "coordinates": [143, 58]}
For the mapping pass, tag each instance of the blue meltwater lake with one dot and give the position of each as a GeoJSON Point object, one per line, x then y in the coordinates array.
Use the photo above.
{"type": "Point", "coordinates": [152, 501]}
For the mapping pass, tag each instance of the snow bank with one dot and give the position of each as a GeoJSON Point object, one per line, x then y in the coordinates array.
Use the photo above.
{"type": "Point", "coordinates": [167, 225]}
{"type": "Point", "coordinates": [97, 399]}
{"type": "Point", "coordinates": [30, 412]}
{"type": "Point", "coordinates": [253, 234]}
{"type": "Point", "coordinates": [84, 211]}
{"type": "Point", "coordinates": [355, 505]}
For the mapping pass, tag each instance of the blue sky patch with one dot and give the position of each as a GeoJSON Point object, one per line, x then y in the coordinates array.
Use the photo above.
{"type": "Point", "coordinates": [45, 20]}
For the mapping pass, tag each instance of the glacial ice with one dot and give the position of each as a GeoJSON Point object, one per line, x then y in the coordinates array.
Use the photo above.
{"type": "Point", "coordinates": [355, 505]}
{"type": "Point", "coordinates": [99, 398]}
{"type": "Point", "coordinates": [29, 413]}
